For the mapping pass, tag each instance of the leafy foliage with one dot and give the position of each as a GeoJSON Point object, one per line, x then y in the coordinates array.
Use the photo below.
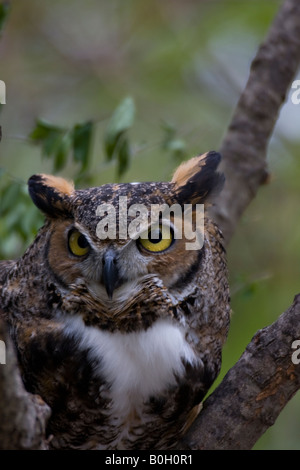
{"type": "Point", "coordinates": [184, 63]}
{"type": "Point", "coordinates": [81, 138]}
{"type": "Point", "coordinates": [20, 219]}
{"type": "Point", "coordinates": [116, 140]}
{"type": "Point", "coordinates": [58, 144]}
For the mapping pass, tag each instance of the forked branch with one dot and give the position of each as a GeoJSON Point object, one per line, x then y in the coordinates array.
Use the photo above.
{"type": "Point", "coordinates": [244, 147]}
{"type": "Point", "coordinates": [254, 391]}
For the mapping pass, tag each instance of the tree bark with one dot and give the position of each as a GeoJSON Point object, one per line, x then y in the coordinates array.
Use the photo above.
{"type": "Point", "coordinates": [254, 391]}
{"type": "Point", "coordinates": [23, 416]}
{"type": "Point", "coordinates": [244, 147]}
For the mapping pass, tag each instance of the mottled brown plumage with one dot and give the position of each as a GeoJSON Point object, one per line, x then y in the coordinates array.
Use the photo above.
{"type": "Point", "coordinates": [121, 340]}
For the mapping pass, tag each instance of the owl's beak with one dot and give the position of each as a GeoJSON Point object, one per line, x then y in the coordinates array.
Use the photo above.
{"type": "Point", "coordinates": [110, 272]}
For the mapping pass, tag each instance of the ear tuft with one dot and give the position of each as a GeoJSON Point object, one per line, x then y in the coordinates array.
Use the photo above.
{"type": "Point", "coordinates": [51, 194]}
{"type": "Point", "coordinates": [197, 179]}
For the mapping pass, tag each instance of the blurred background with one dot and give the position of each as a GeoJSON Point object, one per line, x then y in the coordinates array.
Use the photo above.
{"type": "Point", "coordinates": [180, 66]}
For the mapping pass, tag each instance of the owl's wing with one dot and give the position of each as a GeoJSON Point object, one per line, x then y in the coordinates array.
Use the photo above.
{"type": "Point", "coordinates": [5, 266]}
{"type": "Point", "coordinates": [56, 368]}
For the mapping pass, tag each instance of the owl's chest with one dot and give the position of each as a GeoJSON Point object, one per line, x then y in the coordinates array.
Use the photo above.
{"type": "Point", "coordinates": [136, 369]}
{"type": "Point", "coordinates": [137, 365]}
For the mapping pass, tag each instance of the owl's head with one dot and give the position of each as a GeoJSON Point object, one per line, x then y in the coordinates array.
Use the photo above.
{"type": "Point", "coordinates": [113, 238]}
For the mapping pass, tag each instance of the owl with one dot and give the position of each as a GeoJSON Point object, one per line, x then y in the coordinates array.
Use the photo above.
{"type": "Point", "coordinates": [118, 317]}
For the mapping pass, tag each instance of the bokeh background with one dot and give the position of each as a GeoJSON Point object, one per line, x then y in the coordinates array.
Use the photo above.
{"type": "Point", "coordinates": [184, 63]}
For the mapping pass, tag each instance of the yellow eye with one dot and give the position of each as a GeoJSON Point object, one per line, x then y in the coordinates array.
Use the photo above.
{"type": "Point", "coordinates": [78, 244]}
{"type": "Point", "coordinates": [157, 239]}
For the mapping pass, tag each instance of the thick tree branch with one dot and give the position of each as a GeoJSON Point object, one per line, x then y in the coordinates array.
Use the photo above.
{"type": "Point", "coordinates": [254, 391]}
{"type": "Point", "coordinates": [240, 410]}
{"type": "Point", "coordinates": [23, 416]}
{"type": "Point", "coordinates": [244, 146]}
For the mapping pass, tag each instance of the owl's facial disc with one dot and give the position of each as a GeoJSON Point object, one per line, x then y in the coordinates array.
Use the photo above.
{"type": "Point", "coordinates": [154, 241]}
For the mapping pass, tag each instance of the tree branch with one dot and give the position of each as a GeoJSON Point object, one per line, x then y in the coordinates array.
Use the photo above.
{"type": "Point", "coordinates": [23, 416]}
{"type": "Point", "coordinates": [244, 146]}
{"type": "Point", "coordinates": [254, 391]}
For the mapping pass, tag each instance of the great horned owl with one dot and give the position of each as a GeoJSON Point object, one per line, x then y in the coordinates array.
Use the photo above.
{"type": "Point", "coordinates": [121, 337]}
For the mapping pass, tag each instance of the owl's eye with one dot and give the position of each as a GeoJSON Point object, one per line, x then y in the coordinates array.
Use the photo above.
{"type": "Point", "coordinates": [78, 244]}
{"type": "Point", "coordinates": [158, 238]}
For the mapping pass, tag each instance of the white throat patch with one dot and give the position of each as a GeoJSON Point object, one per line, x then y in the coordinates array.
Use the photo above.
{"type": "Point", "coordinates": [136, 364]}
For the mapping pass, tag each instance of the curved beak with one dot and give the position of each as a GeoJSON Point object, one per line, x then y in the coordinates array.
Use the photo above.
{"type": "Point", "coordinates": [110, 272]}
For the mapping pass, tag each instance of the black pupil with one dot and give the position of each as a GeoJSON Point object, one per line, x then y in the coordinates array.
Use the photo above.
{"type": "Point", "coordinates": [155, 236]}
{"type": "Point", "coordinates": [82, 241]}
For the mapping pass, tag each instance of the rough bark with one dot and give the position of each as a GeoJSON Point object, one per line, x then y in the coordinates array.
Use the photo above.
{"type": "Point", "coordinates": [23, 416]}
{"type": "Point", "coordinates": [254, 391]}
{"type": "Point", "coordinates": [244, 147]}
{"type": "Point", "coordinates": [244, 151]}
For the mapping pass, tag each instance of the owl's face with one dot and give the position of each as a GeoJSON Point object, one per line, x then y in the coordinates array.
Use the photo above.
{"type": "Point", "coordinates": [108, 267]}
{"type": "Point", "coordinates": [112, 253]}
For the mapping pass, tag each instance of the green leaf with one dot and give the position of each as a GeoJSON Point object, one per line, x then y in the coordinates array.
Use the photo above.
{"type": "Point", "coordinates": [62, 152]}
{"type": "Point", "coordinates": [123, 157]}
{"type": "Point", "coordinates": [30, 221]}
{"type": "Point", "coordinates": [13, 217]}
{"type": "Point", "coordinates": [56, 142]}
{"type": "Point", "coordinates": [4, 11]}
{"type": "Point", "coordinates": [82, 138]}
{"type": "Point", "coordinates": [51, 145]}
{"type": "Point", "coordinates": [9, 198]}
{"type": "Point", "coordinates": [44, 130]}
{"type": "Point", "coordinates": [121, 120]}
{"type": "Point", "coordinates": [49, 136]}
